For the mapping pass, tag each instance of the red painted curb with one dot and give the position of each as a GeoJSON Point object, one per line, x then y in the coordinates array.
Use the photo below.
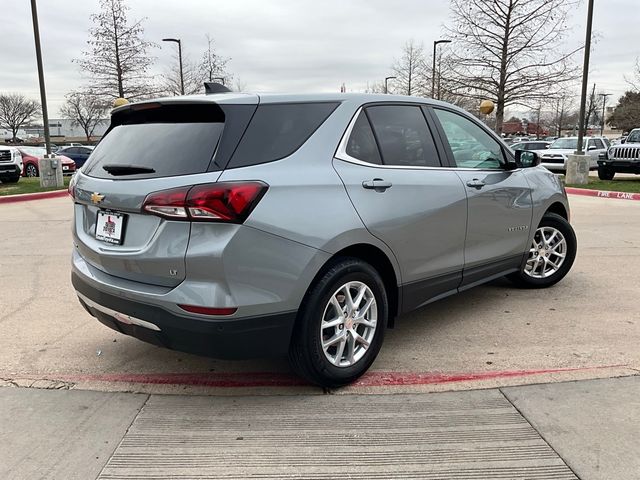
{"type": "Point", "coordinates": [603, 193]}
{"type": "Point", "coordinates": [25, 197]}
{"type": "Point", "coordinates": [265, 379]}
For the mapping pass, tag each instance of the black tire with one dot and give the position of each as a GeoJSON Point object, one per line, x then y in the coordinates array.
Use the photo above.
{"type": "Point", "coordinates": [605, 173]}
{"type": "Point", "coordinates": [31, 170]}
{"type": "Point", "coordinates": [524, 280]}
{"type": "Point", "coordinates": [13, 179]}
{"type": "Point", "coordinates": [306, 354]}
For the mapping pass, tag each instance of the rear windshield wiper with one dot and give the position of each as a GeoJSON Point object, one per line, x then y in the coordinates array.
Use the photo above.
{"type": "Point", "coordinates": [127, 169]}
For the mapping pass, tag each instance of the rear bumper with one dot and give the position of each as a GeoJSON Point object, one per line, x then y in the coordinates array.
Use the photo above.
{"type": "Point", "coordinates": [227, 338]}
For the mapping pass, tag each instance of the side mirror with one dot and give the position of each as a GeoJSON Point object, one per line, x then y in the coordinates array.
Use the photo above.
{"type": "Point", "coordinates": [623, 140]}
{"type": "Point", "coordinates": [526, 159]}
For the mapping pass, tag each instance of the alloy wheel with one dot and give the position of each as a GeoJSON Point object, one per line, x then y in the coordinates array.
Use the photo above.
{"type": "Point", "coordinates": [547, 253]}
{"type": "Point", "coordinates": [348, 324]}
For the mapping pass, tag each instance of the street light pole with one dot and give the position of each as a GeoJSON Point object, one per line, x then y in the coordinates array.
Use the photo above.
{"type": "Point", "coordinates": [604, 103]}
{"type": "Point", "coordinates": [386, 83]}
{"type": "Point", "coordinates": [177, 40]}
{"type": "Point", "coordinates": [433, 69]}
{"type": "Point", "coordinates": [43, 94]}
{"type": "Point", "coordinates": [585, 78]}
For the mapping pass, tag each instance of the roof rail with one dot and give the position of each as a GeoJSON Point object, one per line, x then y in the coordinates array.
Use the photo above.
{"type": "Point", "coordinates": [214, 87]}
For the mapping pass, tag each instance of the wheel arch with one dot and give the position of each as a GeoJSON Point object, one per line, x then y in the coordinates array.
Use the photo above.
{"type": "Point", "coordinates": [559, 209]}
{"type": "Point", "coordinates": [379, 260]}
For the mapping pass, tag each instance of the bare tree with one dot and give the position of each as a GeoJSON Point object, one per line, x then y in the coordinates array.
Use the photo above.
{"type": "Point", "coordinates": [508, 51]}
{"type": "Point", "coordinates": [634, 81]}
{"type": "Point", "coordinates": [214, 66]}
{"type": "Point", "coordinates": [117, 59]}
{"type": "Point", "coordinates": [85, 110]}
{"type": "Point", "coordinates": [191, 73]}
{"type": "Point", "coordinates": [17, 110]}
{"type": "Point", "coordinates": [411, 70]}
{"type": "Point", "coordinates": [592, 112]}
{"type": "Point", "coordinates": [240, 85]}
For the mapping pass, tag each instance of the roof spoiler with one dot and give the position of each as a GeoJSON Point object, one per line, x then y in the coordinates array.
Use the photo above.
{"type": "Point", "coordinates": [214, 87]}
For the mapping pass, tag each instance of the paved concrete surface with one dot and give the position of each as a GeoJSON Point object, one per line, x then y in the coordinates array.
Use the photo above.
{"type": "Point", "coordinates": [455, 435]}
{"type": "Point", "coordinates": [593, 425]}
{"type": "Point", "coordinates": [591, 319]}
{"type": "Point", "coordinates": [586, 429]}
{"type": "Point", "coordinates": [58, 434]}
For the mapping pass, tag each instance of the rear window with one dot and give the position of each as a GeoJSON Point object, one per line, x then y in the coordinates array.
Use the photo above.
{"type": "Point", "coordinates": [172, 139]}
{"type": "Point", "coordinates": [278, 130]}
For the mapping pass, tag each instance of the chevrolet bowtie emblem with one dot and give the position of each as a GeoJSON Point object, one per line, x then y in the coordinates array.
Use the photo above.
{"type": "Point", "coordinates": [96, 198]}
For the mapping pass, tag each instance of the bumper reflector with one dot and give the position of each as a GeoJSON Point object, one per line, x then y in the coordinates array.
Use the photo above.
{"type": "Point", "coordinates": [208, 310]}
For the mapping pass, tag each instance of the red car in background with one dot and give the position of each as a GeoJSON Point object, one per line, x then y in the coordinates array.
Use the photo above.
{"type": "Point", "coordinates": [31, 155]}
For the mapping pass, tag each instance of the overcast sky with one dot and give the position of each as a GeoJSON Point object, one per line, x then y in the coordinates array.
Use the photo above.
{"type": "Point", "coordinates": [283, 45]}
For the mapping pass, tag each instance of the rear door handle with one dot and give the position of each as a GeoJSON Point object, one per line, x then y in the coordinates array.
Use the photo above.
{"type": "Point", "coordinates": [475, 183]}
{"type": "Point", "coordinates": [377, 184]}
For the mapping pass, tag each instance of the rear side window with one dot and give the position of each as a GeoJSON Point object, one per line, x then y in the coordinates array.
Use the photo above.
{"type": "Point", "coordinates": [403, 136]}
{"type": "Point", "coordinates": [167, 140]}
{"type": "Point", "coordinates": [362, 144]}
{"type": "Point", "coordinates": [278, 130]}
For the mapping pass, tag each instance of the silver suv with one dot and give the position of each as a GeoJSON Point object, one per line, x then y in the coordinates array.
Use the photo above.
{"type": "Point", "coordinates": [237, 225]}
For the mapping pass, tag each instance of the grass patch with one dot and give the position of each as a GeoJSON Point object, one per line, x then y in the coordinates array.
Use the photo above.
{"type": "Point", "coordinates": [28, 185]}
{"type": "Point", "coordinates": [629, 185]}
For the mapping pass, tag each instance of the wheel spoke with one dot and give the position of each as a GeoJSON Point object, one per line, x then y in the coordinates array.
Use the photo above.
{"type": "Point", "coordinates": [333, 340]}
{"type": "Point", "coordinates": [360, 339]}
{"type": "Point", "coordinates": [365, 309]}
{"type": "Point", "coordinates": [351, 349]}
{"type": "Point", "coordinates": [360, 296]}
{"type": "Point", "coordinates": [348, 299]}
{"type": "Point", "coordinates": [340, 352]}
{"type": "Point", "coordinates": [334, 322]}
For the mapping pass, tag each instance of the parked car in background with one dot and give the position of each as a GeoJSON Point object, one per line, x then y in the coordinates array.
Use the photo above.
{"type": "Point", "coordinates": [531, 146]}
{"type": "Point", "coordinates": [238, 225]}
{"type": "Point", "coordinates": [10, 164]}
{"type": "Point", "coordinates": [31, 155]}
{"type": "Point", "coordinates": [555, 157]}
{"type": "Point", "coordinates": [77, 154]}
{"type": "Point", "coordinates": [54, 147]}
{"type": "Point", "coordinates": [621, 158]}
{"type": "Point", "coordinates": [550, 139]}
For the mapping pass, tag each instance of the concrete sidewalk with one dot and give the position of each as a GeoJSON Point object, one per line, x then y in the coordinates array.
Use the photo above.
{"type": "Point", "coordinates": [585, 429]}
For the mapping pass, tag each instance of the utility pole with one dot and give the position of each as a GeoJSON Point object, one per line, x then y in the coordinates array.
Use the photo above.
{"type": "Point", "coordinates": [177, 40]}
{"type": "Point", "coordinates": [43, 93]}
{"type": "Point", "coordinates": [604, 103]}
{"type": "Point", "coordinates": [585, 77]}
{"type": "Point", "coordinates": [433, 68]}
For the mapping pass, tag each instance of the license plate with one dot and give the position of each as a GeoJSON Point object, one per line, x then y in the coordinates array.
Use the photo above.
{"type": "Point", "coordinates": [110, 227]}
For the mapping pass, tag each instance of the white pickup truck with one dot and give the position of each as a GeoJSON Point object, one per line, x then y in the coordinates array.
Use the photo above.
{"type": "Point", "coordinates": [10, 164]}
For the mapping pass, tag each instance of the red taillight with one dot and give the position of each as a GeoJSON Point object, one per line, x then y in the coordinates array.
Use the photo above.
{"type": "Point", "coordinates": [208, 310]}
{"type": "Point", "coordinates": [214, 202]}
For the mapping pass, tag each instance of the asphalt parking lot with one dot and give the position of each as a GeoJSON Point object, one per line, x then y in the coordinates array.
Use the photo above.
{"type": "Point", "coordinates": [588, 326]}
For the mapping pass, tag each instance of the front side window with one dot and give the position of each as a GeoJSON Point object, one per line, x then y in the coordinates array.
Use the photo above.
{"type": "Point", "coordinates": [471, 146]}
{"type": "Point", "coordinates": [403, 135]}
{"type": "Point", "coordinates": [598, 143]}
{"type": "Point", "coordinates": [362, 144]}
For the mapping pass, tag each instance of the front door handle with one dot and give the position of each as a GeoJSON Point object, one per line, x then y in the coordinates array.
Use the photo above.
{"type": "Point", "coordinates": [377, 184]}
{"type": "Point", "coordinates": [475, 183]}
